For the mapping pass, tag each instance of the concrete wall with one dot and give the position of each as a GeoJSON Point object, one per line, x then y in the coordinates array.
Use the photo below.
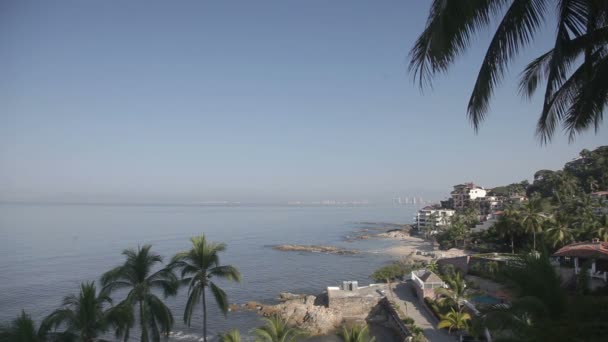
{"type": "Point", "coordinates": [353, 305]}
{"type": "Point", "coordinates": [460, 263]}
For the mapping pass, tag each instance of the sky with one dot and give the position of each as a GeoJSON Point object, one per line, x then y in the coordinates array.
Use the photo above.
{"type": "Point", "coordinates": [248, 101]}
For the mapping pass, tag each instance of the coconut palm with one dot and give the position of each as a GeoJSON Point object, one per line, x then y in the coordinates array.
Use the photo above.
{"type": "Point", "coordinates": [602, 228]}
{"type": "Point", "coordinates": [575, 69]}
{"type": "Point", "coordinates": [457, 320]}
{"type": "Point", "coordinates": [231, 336]}
{"type": "Point", "coordinates": [508, 225]}
{"type": "Point", "coordinates": [456, 287]}
{"type": "Point", "coordinates": [137, 275]}
{"type": "Point", "coordinates": [198, 266]}
{"type": "Point", "coordinates": [275, 329]}
{"type": "Point", "coordinates": [356, 333]}
{"type": "Point", "coordinates": [89, 315]}
{"type": "Point", "coordinates": [531, 217]}
{"type": "Point", "coordinates": [559, 233]}
{"type": "Point", "coordinates": [21, 329]}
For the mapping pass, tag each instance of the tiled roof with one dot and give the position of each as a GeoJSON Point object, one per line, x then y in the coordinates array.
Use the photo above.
{"type": "Point", "coordinates": [430, 277]}
{"type": "Point", "coordinates": [598, 250]}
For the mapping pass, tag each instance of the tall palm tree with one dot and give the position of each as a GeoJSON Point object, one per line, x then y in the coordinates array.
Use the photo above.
{"type": "Point", "coordinates": [575, 69]}
{"type": "Point", "coordinates": [231, 336]}
{"type": "Point", "coordinates": [357, 333]}
{"type": "Point", "coordinates": [508, 225]}
{"type": "Point", "coordinates": [275, 329]}
{"type": "Point", "coordinates": [89, 315]}
{"type": "Point", "coordinates": [137, 275]}
{"type": "Point", "coordinates": [198, 266]}
{"type": "Point", "coordinates": [531, 216]}
{"type": "Point", "coordinates": [22, 329]}
{"type": "Point", "coordinates": [457, 320]}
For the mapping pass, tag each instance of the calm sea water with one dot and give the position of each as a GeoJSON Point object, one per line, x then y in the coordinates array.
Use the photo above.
{"type": "Point", "coordinates": [47, 250]}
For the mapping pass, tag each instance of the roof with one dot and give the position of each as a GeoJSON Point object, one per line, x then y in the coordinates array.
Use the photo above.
{"type": "Point", "coordinates": [598, 250]}
{"type": "Point", "coordinates": [600, 193]}
{"type": "Point", "coordinates": [430, 277]}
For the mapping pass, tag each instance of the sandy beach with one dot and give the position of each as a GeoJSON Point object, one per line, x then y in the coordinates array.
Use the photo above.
{"type": "Point", "coordinates": [412, 244]}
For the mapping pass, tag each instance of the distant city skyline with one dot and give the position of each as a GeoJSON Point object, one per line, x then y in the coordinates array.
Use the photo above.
{"type": "Point", "coordinates": [269, 101]}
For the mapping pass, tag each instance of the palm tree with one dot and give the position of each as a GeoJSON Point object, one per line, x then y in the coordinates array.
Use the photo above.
{"type": "Point", "coordinates": [275, 329]}
{"type": "Point", "coordinates": [198, 266]}
{"type": "Point", "coordinates": [508, 225]}
{"type": "Point", "coordinates": [575, 69]}
{"type": "Point", "coordinates": [457, 287]}
{"type": "Point", "coordinates": [21, 329]}
{"type": "Point", "coordinates": [531, 216]}
{"type": "Point", "coordinates": [559, 233]}
{"type": "Point", "coordinates": [602, 228]}
{"type": "Point", "coordinates": [136, 274]}
{"type": "Point", "coordinates": [357, 333]}
{"type": "Point", "coordinates": [231, 336]}
{"type": "Point", "coordinates": [89, 315]}
{"type": "Point", "coordinates": [457, 320]}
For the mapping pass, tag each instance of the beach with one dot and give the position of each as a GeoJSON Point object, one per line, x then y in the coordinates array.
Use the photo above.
{"type": "Point", "coordinates": [412, 244]}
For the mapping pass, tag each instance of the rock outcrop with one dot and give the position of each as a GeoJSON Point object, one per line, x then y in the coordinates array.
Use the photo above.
{"type": "Point", "coordinates": [315, 249]}
{"type": "Point", "coordinates": [303, 313]}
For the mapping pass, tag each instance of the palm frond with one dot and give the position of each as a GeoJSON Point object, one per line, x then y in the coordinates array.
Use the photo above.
{"type": "Point", "coordinates": [226, 272]}
{"type": "Point", "coordinates": [516, 30]}
{"type": "Point", "coordinates": [448, 32]}
{"type": "Point", "coordinates": [220, 297]}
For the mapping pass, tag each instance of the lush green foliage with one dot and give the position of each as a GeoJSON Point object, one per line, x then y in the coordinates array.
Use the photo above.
{"type": "Point", "coordinates": [231, 336]}
{"type": "Point", "coordinates": [356, 333]}
{"type": "Point", "coordinates": [542, 310]}
{"type": "Point", "coordinates": [457, 320]}
{"type": "Point", "coordinates": [276, 329]}
{"type": "Point", "coordinates": [89, 315]}
{"type": "Point", "coordinates": [22, 329]}
{"type": "Point", "coordinates": [396, 270]}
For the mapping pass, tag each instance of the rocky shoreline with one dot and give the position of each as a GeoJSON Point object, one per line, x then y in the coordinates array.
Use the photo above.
{"type": "Point", "coordinates": [308, 312]}
{"type": "Point", "coordinates": [315, 249]}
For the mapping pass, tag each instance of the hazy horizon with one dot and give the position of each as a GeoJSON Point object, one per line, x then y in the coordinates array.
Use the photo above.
{"type": "Point", "coordinates": [265, 101]}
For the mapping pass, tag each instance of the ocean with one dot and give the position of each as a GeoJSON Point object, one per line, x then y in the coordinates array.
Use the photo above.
{"type": "Point", "coordinates": [47, 250]}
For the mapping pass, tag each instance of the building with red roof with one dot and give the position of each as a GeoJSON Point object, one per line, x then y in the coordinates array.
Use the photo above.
{"type": "Point", "coordinates": [594, 252]}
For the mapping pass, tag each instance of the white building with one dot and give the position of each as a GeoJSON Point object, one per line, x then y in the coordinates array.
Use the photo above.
{"type": "Point", "coordinates": [430, 217]}
{"type": "Point", "coordinates": [463, 194]}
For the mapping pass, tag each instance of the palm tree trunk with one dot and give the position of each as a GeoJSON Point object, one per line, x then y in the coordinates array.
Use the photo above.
{"type": "Point", "coordinates": [204, 317]}
{"type": "Point", "coordinates": [512, 247]}
{"type": "Point", "coordinates": [142, 322]}
{"type": "Point", "coordinates": [534, 237]}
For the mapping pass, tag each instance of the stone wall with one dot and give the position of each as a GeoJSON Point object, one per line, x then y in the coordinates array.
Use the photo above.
{"type": "Point", "coordinates": [353, 305]}
{"type": "Point", "coordinates": [461, 263]}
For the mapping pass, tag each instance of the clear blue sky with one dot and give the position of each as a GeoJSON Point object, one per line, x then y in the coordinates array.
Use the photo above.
{"type": "Point", "coordinates": [246, 100]}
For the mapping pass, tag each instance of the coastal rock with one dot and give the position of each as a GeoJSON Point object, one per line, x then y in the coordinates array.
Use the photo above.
{"type": "Point", "coordinates": [395, 234]}
{"type": "Point", "coordinates": [303, 313]}
{"type": "Point", "coordinates": [253, 306]}
{"type": "Point", "coordinates": [233, 307]}
{"type": "Point", "coordinates": [284, 296]}
{"type": "Point", "coordinates": [315, 249]}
